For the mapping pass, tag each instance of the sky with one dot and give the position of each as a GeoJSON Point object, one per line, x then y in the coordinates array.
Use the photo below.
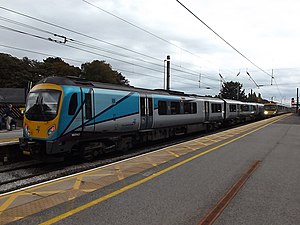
{"type": "Point", "coordinates": [259, 39]}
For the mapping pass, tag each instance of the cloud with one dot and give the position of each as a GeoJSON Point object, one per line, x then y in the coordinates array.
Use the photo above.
{"type": "Point", "coordinates": [264, 32]}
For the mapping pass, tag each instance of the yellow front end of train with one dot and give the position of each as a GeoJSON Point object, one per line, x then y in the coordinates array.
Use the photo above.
{"type": "Point", "coordinates": [41, 117]}
{"type": "Point", "coordinates": [270, 109]}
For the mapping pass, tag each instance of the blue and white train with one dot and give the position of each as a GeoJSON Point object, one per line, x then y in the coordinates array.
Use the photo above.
{"type": "Point", "coordinates": [69, 116]}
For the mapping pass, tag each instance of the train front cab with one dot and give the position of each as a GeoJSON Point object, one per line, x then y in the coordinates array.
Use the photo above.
{"type": "Point", "coordinates": [270, 109]}
{"type": "Point", "coordinates": [52, 112]}
{"type": "Point", "coordinates": [41, 118]}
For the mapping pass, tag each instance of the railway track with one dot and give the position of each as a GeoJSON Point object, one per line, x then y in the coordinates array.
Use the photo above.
{"type": "Point", "coordinates": [19, 165]}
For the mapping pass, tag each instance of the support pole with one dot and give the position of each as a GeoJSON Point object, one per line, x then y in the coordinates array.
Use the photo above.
{"type": "Point", "coordinates": [168, 73]}
{"type": "Point", "coordinates": [297, 106]}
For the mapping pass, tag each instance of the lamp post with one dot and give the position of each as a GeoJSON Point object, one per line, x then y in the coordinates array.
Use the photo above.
{"type": "Point", "coordinates": [164, 74]}
{"type": "Point", "coordinates": [297, 106]}
{"type": "Point", "coordinates": [238, 87]}
{"type": "Point", "coordinates": [168, 73]}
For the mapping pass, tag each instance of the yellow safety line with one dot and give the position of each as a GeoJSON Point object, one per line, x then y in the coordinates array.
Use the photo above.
{"type": "Point", "coordinates": [209, 139]}
{"type": "Point", "coordinates": [135, 184]}
{"type": "Point", "coordinates": [189, 148]}
{"type": "Point", "coordinates": [199, 142]}
{"type": "Point", "coordinates": [77, 182]}
{"type": "Point", "coordinates": [150, 161]}
{"type": "Point", "coordinates": [48, 192]}
{"type": "Point", "coordinates": [98, 175]}
{"type": "Point", "coordinates": [172, 153]}
{"type": "Point", "coordinates": [7, 203]}
{"type": "Point", "coordinates": [119, 173]}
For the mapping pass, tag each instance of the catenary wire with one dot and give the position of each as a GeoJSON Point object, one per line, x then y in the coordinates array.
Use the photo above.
{"type": "Point", "coordinates": [228, 44]}
{"type": "Point", "coordinates": [101, 40]}
{"type": "Point", "coordinates": [100, 49]}
{"type": "Point", "coordinates": [107, 51]}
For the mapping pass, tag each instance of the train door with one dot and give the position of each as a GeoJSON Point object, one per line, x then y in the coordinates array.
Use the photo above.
{"type": "Point", "coordinates": [146, 111]}
{"type": "Point", "coordinates": [206, 110]}
{"type": "Point", "coordinates": [225, 110]}
{"type": "Point", "coordinates": [238, 110]}
{"type": "Point", "coordinates": [88, 110]}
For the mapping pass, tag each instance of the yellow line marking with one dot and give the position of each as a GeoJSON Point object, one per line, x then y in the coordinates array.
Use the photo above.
{"type": "Point", "coordinates": [77, 182]}
{"type": "Point", "coordinates": [47, 192]}
{"type": "Point", "coordinates": [99, 174]}
{"type": "Point", "coordinates": [199, 142]}
{"type": "Point", "coordinates": [130, 186]}
{"type": "Point", "coordinates": [88, 190]}
{"type": "Point", "coordinates": [7, 203]}
{"type": "Point", "coordinates": [190, 148]}
{"type": "Point", "coordinates": [150, 161]}
{"type": "Point", "coordinates": [209, 139]}
{"type": "Point", "coordinates": [119, 172]}
{"type": "Point", "coordinates": [172, 153]}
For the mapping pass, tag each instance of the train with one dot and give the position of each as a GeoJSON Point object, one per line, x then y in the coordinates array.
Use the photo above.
{"type": "Point", "coordinates": [68, 116]}
{"type": "Point", "coordinates": [273, 109]}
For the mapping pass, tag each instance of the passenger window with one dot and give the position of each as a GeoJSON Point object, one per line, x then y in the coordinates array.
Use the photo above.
{"type": "Point", "coordinates": [187, 107]}
{"type": "Point", "coordinates": [194, 107]}
{"type": "Point", "coordinates": [162, 108]}
{"type": "Point", "coordinates": [175, 108]}
{"type": "Point", "coordinates": [232, 108]}
{"type": "Point", "coordinates": [73, 104]}
{"type": "Point", "coordinates": [143, 106]}
{"type": "Point", "coordinates": [245, 108]}
{"type": "Point", "coordinates": [150, 102]}
{"type": "Point", "coordinates": [88, 106]}
{"type": "Point", "coordinates": [215, 108]}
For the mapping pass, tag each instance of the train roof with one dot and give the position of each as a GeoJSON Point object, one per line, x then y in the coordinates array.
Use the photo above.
{"type": "Point", "coordinates": [233, 101]}
{"type": "Point", "coordinates": [75, 81]}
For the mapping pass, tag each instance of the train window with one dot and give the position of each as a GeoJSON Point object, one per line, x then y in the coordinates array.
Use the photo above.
{"type": "Point", "coordinates": [175, 108]}
{"type": "Point", "coordinates": [232, 108]}
{"type": "Point", "coordinates": [270, 107]}
{"type": "Point", "coordinates": [73, 104]}
{"type": "Point", "coordinates": [162, 108]}
{"type": "Point", "coordinates": [245, 108]}
{"type": "Point", "coordinates": [42, 105]}
{"type": "Point", "coordinates": [216, 108]}
{"type": "Point", "coordinates": [88, 106]}
{"type": "Point", "coordinates": [150, 102]}
{"type": "Point", "coordinates": [254, 108]}
{"type": "Point", "coordinates": [187, 107]}
{"type": "Point", "coordinates": [143, 106]}
{"type": "Point", "coordinates": [194, 107]}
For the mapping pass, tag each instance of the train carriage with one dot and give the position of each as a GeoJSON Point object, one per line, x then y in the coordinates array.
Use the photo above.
{"type": "Point", "coordinates": [67, 116]}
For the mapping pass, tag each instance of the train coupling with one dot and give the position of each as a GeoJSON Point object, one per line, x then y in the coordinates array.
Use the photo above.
{"type": "Point", "coordinates": [28, 147]}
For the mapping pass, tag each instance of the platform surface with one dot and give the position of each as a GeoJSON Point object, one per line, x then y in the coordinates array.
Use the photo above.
{"type": "Point", "coordinates": [10, 136]}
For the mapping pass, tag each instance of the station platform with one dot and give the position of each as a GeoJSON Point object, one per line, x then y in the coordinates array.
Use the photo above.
{"type": "Point", "coordinates": [179, 184]}
{"type": "Point", "coordinates": [8, 137]}
{"type": "Point", "coordinates": [8, 141]}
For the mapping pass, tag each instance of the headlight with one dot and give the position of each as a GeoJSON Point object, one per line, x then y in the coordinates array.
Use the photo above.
{"type": "Point", "coordinates": [266, 112]}
{"type": "Point", "coordinates": [51, 130]}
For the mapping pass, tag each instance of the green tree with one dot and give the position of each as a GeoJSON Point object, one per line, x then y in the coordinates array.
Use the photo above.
{"type": "Point", "coordinates": [32, 69]}
{"type": "Point", "coordinates": [13, 72]}
{"type": "Point", "coordinates": [16, 72]}
{"type": "Point", "coordinates": [233, 90]}
{"type": "Point", "coordinates": [101, 71]}
{"type": "Point", "coordinates": [252, 97]}
{"type": "Point", "coordinates": [56, 67]}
